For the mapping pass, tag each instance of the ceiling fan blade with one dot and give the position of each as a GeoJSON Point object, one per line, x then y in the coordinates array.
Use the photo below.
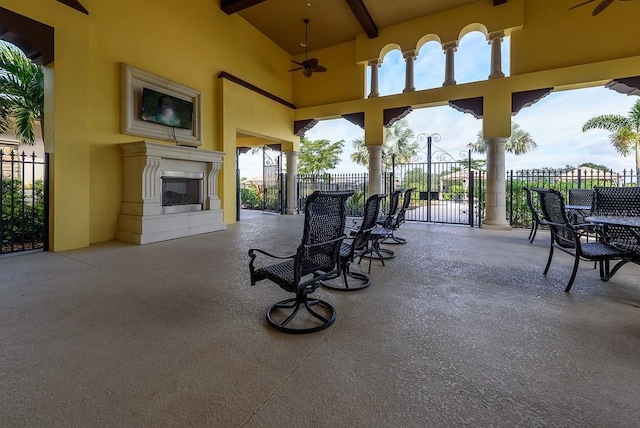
{"type": "Point", "coordinates": [297, 68]}
{"type": "Point", "coordinates": [311, 62]}
{"type": "Point", "coordinates": [582, 4]}
{"type": "Point", "coordinates": [602, 6]}
{"type": "Point", "coordinates": [301, 64]}
{"type": "Point", "coordinates": [319, 69]}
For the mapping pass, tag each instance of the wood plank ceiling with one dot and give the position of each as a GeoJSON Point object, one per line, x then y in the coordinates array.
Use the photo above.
{"type": "Point", "coordinates": [331, 21]}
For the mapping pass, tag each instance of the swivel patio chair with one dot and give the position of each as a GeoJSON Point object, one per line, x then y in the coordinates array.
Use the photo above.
{"type": "Point", "coordinates": [536, 215]}
{"type": "Point", "coordinates": [565, 236]}
{"type": "Point", "coordinates": [355, 247]}
{"type": "Point", "coordinates": [317, 258]}
{"type": "Point", "coordinates": [394, 222]}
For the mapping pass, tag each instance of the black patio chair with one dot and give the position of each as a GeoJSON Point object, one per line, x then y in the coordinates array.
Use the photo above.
{"type": "Point", "coordinates": [317, 258]}
{"type": "Point", "coordinates": [394, 202]}
{"type": "Point", "coordinates": [565, 236]}
{"type": "Point", "coordinates": [580, 197]}
{"type": "Point", "coordinates": [536, 214]}
{"type": "Point", "coordinates": [394, 222]}
{"type": "Point", "coordinates": [618, 201]}
{"type": "Point", "coordinates": [355, 247]}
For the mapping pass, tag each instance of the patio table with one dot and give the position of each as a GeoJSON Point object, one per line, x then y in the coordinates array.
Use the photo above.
{"type": "Point", "coordinates": [630, 223]}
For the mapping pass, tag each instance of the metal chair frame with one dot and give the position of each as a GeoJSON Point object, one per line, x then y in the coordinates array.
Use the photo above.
{"type": "Point", "coordinates": [316, 258]}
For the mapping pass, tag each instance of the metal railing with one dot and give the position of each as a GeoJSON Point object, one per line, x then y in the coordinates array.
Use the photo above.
{"type": "Point", "coordinates": [23, 205]}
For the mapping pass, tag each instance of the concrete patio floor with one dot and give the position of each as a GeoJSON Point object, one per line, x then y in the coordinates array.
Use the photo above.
{"type": "Point", "coordinates": [461, 328]}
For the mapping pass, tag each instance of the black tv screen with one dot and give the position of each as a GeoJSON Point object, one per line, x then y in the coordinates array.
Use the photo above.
{"type": "Point", "coordinates": [166, 110]}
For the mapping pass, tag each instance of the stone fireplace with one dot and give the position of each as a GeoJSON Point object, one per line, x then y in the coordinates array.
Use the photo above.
{"type": "Point", "coordinates": [168, 192]}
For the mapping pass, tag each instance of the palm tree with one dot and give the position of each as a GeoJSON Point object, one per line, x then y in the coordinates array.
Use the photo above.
{"type": "Point", "coordinates": [625, 131]}
{"type": "Point", "coordinates": [519, 143]}
{"type": "Point", "coordinates": [21, 93]}
{"type": "Point", "coordinates": [398, 141]}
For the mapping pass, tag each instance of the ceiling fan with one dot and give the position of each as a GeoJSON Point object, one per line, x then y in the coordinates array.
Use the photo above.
{"type": "Point", "coordinates": [599, 8]}
{"type": "Point", "coordinates": [309, 65]}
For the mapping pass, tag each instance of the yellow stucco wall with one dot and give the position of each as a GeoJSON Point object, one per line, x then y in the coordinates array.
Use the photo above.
{"type": "Point", "coordinates": [187, 42]}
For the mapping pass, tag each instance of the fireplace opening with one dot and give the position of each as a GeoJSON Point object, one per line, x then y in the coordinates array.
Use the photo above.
{"type": "Point", "coordinates": [182, 191]}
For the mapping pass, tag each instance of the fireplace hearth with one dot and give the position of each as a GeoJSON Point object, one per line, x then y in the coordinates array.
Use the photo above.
{"type": "Point", "coordinates": [168, 192]}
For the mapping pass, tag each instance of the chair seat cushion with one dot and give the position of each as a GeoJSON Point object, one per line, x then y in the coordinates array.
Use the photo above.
{"type": "Point", "coordinates": [597, 250]}
{"type": "Point", "coordinates": [280, 273]}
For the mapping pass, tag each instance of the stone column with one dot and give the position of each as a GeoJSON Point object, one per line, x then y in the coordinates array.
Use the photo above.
{"type": "Point", "coordinates": [374, 65]}
{"type": "Point", "coordinates": [449, 68]}
{"type": "Point", "coordinates": [496, 214]}
{"type": "Point", "coordinates": [409, 57]}
{"type": "Point", "coordinates": [495, 40]}
{"type": "Point", "coordinates": [375, 169]}
{"type": "Point", "coordinates": [292, 172]}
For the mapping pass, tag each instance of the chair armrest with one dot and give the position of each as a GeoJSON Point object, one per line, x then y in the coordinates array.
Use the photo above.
{"type": "Point", "coordinates": [256, 250]}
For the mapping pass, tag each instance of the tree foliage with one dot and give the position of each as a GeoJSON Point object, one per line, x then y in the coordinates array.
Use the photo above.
{"type": "Point", "coordinates": [21, 93]}
{"type": "Point", "coordinates": [625, 131]}
{"type": "Point", "coordinates": [319, 156]}
{"type": "Point", "coordinates": [399, 141]}
{"type": "Point", "coordinates": [519, 143]}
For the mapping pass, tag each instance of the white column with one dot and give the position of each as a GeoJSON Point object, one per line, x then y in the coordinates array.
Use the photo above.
{"type": "Point", "coordinates": [375, 169]}
{"type": "Point", "coordinates": [409, 57]}
{"type": "Point", "coordinates": [496, 214]}
{"type": "Point", "coordinates": [449, 67]}
{"type": "Point", "coordinates": [292, 172]}
{"type": "Point", "coordinates": [374, 65]}
{"type": "Point", "coordinates": [495, 40]}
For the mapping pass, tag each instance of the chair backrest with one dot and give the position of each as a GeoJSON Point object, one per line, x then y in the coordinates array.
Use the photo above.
{"type": "Point", "coordinates": [581, 197]}
{"type": "Point", "coordinates": [325, 214]}
{"type": "Point", "coordinates": [393, 203]}
{"type": "Point", "coordinates": [623, 201]}
{"type": "Point", "coordinates": [371, 211]}
{"type": "Point", "coordinates": [531, 205]}
{"type": "Point", "coordinates": [555, 215]}
{"type": "Point", "coordinates": [618, 201]}
{"type": "Point", "coordinates": [405, 206]}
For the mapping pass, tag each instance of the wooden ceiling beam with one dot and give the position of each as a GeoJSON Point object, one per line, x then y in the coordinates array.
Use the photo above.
{"type": "Point", "coordinates": [75, 4]}
{"type": "Point", "coordinates": [364, 18]}
{"type": "Point", "coordinates": [232, 6]}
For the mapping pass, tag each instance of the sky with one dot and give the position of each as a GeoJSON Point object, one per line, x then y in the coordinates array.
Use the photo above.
{"type": "Point", "coordinates": [554, 122]}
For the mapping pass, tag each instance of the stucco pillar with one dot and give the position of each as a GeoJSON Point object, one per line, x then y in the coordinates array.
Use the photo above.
{"type": "Point", "coordinates": [409, 58]}
{"type": "Point", "coordinates": [374, 65]}
{"type": "Point", "coordinates": [496, 213]}
{"type": "Point", "coordinates": [292, 172]}
{"type": "Point", "coordinates": [449, 67]}
{"type": "Point", "coordinates": [495, 40]}
{"type": "Point", "coordinates": [375, 169]}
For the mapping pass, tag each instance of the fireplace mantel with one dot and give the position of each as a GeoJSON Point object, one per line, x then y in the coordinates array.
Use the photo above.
{"type": "Point", "coordinates": [143, 219]}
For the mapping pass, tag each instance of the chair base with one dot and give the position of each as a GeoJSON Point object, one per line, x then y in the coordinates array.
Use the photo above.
{"type": "Point", "coordinates": [364, 281]}
{"type": "Point", "coordinates": [393, 240]}
{"type": "Point", "coordinates": [293, 305]}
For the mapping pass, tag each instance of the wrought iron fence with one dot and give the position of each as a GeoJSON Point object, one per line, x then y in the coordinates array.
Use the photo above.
{"type": "Point", "coordinates": [23, 223]}
{"type": "Point", "coordinates": [561, 180]}
{"type": "Point", "coordinates": [357, 182]}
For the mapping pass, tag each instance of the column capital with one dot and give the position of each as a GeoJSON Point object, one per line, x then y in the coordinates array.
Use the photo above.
{"type": "Point", "coordinates": [495, 35]}
{"type": "Point", "coordinates": [373, 62]}
{"type": "Point", "coordinates": [409, 54]}
{"type": "Point", "coordinates": [450, 45]}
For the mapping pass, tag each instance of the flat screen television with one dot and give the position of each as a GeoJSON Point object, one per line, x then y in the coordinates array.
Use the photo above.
{"type": "Point", "coordinates": [166, 110]}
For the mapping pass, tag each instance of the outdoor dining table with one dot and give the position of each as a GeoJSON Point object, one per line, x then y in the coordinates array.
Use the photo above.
{"type": "Point", "coordinates": [630, 222]}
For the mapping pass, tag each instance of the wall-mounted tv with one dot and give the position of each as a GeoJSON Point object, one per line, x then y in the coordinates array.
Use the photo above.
{"type": "Point", "coordinates": [166, 110]}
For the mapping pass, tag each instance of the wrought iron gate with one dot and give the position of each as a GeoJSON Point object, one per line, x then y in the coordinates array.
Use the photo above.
{"type": "Point", "coordinates": [272, 179]}
{"type": "Point", "coordinates": [448, 190]}
{"type": "Point", "coordinates": [24, 201]}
